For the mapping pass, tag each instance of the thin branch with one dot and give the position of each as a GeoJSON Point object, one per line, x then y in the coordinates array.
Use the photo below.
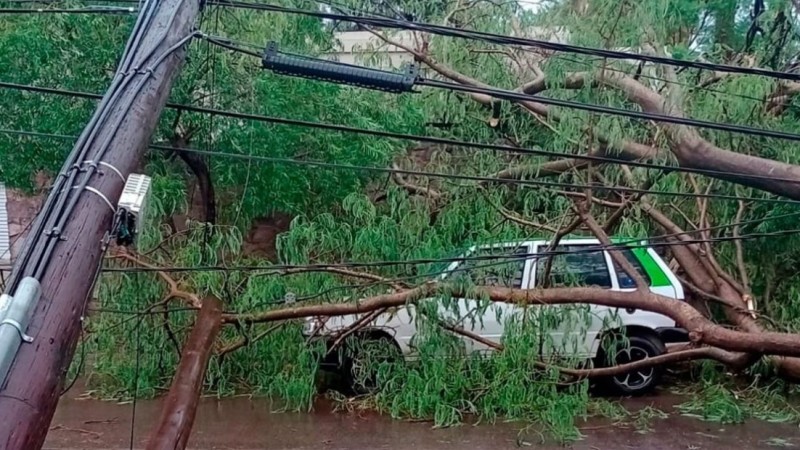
{"type": "Point", "coordinates": [244, 340]}
{"type": "Point", "coordinates": [413, 188]}
{"type": "Point", "coordinates": [548, 265]}
{"type": "Point", "coordinates": [396, 285]}
{"type": "Point", "coordinates": [174, 291]}
{"type": "Point", "coordinates": [617, 215]}
{"type": "Point", "coordinates": [355, 327]}
{"type": "Point", "coordinates": [739, 251]}
{"type": "Point", "coordinates": [514, 217]}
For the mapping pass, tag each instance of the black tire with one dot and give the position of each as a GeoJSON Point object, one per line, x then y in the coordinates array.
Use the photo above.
{"type": "Point", "coordinates": [641, 344]}
{"type": "Point", "coordinates": [363, 354]}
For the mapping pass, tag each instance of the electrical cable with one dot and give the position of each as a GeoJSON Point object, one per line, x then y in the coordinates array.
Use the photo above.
{"type": "Point", "coordinates": [478, 178]}
{"type": "Point", "coordinates": [418, 138]}
{"type": "Point", "coordinates": [518, 96]}
{"type": "Point", "coordinates": [632, 244]}
{"type": "Point", "coordinates": [225, 43]}
{"type": "Point", "coordinates": [690, 86]}
{"type": "Point", "coordinates": [485, 179]}
{"type": "Point", "coordinates": [449, 270]}
{"type": "Point", "coordinates": [138, 359]}
{"type": "Point", "coordinates": [641, 115]}
{"type": "Point", "coordinates": [506, 40]}
{"type": "Point", "coordinates": [55, 200]}
{"type": "Point", "coordinates": [89, 171]}
{"type": "Point", "coordinates": [87, 10]}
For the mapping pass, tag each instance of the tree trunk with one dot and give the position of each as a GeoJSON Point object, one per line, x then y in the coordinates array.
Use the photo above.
{"type": "Point", "coordinates": [177, 416]}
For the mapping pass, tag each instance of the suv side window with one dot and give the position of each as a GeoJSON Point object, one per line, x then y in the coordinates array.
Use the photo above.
{"type": "Point", "coordinates": [496, 272]}
{"type": "Point", "coordinates": [624, 279]}
{"type": "Point", "coordinates": [577, 265]}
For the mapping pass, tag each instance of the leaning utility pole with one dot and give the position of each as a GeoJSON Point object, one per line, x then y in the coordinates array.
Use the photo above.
{"type": "Point", "coordinates": [64, 251]}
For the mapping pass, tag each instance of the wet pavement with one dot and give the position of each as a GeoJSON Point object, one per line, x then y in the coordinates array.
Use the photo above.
{"type": "Point", "coordinates": [245, 424]}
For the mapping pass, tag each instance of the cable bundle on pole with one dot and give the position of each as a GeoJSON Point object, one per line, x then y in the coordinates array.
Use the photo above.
{"type": "Point", "coordinates": [69, 237]}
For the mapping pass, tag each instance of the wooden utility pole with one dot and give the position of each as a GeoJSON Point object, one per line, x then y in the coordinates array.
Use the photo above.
{"type": "Point", "coordinates": [177, 416]}
{"type": "Point", "coordinates": [129, 113]}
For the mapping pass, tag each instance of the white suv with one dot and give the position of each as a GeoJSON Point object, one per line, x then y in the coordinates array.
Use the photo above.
{"type": "Point", "coordinates": [573, 334]}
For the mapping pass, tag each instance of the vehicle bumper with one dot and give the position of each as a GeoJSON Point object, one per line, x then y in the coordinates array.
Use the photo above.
{"type": "Point", "coordinates": [672, 335]}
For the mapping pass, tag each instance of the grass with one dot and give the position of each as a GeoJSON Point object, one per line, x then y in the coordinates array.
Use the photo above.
{"type": "Point", "coordinates": [778, 442]}
{"type": "Point", "coordinates": [719, 397]}
{"type": "Point", "coordinates": [640, 420]}
{"type": "Point", "coordinates": [724, 403]}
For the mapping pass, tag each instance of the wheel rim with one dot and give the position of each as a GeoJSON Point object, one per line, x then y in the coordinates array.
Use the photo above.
{"type": "Point", "coordinates": [636, 379]}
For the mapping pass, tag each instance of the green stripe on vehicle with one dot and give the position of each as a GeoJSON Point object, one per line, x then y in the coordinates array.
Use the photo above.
{"type": "Point", "coordinates": [658, 277]}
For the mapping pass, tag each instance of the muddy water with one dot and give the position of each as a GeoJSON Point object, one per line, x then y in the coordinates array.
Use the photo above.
{"type": "Point", "coordinates": [245, 424]}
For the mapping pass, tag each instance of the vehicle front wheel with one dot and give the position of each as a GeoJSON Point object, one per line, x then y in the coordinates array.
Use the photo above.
{"type": "Point", "coordinates": [641, 345]}
{"type": "Point", "coordinates": [366, 355]}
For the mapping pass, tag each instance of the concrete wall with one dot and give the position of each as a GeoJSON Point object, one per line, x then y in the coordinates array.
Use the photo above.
{"type": "Point", "coordinates": [365, 49]}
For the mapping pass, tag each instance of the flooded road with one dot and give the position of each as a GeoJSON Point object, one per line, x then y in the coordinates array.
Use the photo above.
{"type": "Point", "coordinates": [245, 424]}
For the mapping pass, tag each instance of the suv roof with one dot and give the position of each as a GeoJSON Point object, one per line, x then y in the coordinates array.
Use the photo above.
{"type": "Point", "coordinates": [563, 241]}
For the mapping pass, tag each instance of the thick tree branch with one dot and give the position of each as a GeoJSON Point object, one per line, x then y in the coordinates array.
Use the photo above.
{"type": "Point", "coordinates": [619, 258]}
{"type": "Point", "coordinates": [701, 330]}
{"type": "Point", "coordinates": [730, 359]}
{"type": "Point", "coordinates": [687, 145]}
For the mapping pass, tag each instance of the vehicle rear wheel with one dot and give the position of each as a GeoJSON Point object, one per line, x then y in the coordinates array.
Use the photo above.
{"type": "Point", "coordinates": [366, 355]}
{"type": "Point", "coordinates": [641, 345]}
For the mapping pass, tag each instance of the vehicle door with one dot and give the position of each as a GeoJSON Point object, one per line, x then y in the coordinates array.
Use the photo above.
{"type": "Point", "coordinates": [495, 266]}
{"type": "Point", "coordinates": [658, 278]}
{"type": "Point", "coordinates": [569, 331]}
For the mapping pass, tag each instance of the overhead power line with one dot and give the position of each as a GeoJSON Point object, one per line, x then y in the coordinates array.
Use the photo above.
{"type": "Point", "coordinates": [690, 86]}
{"type": "Point", "coordinates": [633, 244]}
{"type": "Point", "coordinates": [98, 9]}
{"type": "Point", "coordinates": [388, 22]}
{"type": "Point", "coordinates": [484, 179]}
{"type": "Point", "coordinates": [438, 175]}
{"type": "Point", "coordinates": [412, 137]}
{"type": "Point", "coordinates": [519, 96]}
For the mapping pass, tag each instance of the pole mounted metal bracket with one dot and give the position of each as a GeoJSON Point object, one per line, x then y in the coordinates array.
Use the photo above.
{"type": "Point", "coordinates": [107, 165]}
{"type": "Point", "coordinates": [18, 326]}
{"type": "Point", "coordinates": [102, 196]}
{"type": "Point", "coordinates": [55, 232]}
{"type": "Point", "coordinates": [16, 312]}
